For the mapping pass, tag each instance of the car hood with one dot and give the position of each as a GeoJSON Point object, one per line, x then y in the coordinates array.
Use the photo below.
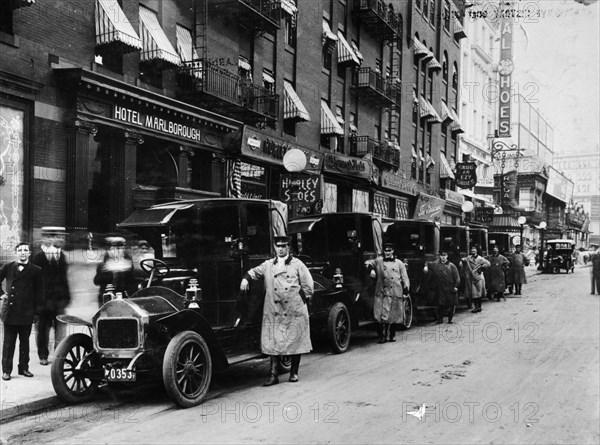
{"type": "Point", "coordinates": [141, 307]}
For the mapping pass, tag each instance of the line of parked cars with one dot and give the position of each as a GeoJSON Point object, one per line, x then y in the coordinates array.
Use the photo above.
{"type": "Point", "coordinates": [189, 319]}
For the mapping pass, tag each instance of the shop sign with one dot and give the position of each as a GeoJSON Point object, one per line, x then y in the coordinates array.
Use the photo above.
{"type": "Point", "coordinates": [466, 175]}
{"type": "Point", "coordinates": [505, 69]}
{"type": "Point", "coordinates": [559, 185]}
{"type": "Point", "coordinates": [303, 191]}
{"type": "Point", "coordinates": [483, 214]}
{"type": "Point", "coordinates": [156, 123]}
{"type": "Point", "coordinates": [392, 181]}
{"type": "Point", "coordinates": [350, 166]}
{"type": "Point", "coordinates": [429, 207]}
{"type": "Point", "coordinates": [454, 197]}
{"type": "Point", "coordinates": [267, 148]}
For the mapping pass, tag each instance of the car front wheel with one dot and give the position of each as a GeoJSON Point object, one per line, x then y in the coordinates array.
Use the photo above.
{"type": "Point", "coordinates": [408, 314]}
{"type": "Point", "coordinates": [187, 369]}
{"type": "Point", "coordinates": [338, 328]}
{"type": "Point", "coordinates": [74, 359]}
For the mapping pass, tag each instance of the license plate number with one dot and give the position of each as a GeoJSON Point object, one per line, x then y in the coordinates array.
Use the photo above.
{"type": "Point", "coordinates": [119, 375]}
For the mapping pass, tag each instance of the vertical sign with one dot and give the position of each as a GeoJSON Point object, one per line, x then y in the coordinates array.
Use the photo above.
{"type": "Point", "coordinates": [505, 69]}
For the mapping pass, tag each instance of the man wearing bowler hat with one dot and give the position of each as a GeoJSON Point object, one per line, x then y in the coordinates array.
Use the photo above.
{"type": "Point", "coordinates": [56, 296]}
{"type": "Point", "coordinates": [288, 288]}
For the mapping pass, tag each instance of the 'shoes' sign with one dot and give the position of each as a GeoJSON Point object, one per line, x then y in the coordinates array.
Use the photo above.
{"type": "Point", "coordinates": [466, 175]}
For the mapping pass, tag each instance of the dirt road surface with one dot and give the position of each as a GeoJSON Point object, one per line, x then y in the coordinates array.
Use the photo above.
{"type": "Point", "coordinates": [522, 371]}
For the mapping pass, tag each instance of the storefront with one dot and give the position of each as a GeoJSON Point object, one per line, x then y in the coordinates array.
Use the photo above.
{"type": "Point", "coordinates": [130, 148]}
{"type": "Point", "coordinates": [453, 210]}
{"type": "Point", "coordinates": [403, 196]}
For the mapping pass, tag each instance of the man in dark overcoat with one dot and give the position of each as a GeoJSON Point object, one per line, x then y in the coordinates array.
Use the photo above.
{"type": "Point", "coordinates": [444, 284]}
{"type": "Point", "coordinates": [20, 307]}
{"type": "Point", "coordinates": [495, 275]}
{"type": "Point", "coordinates": [56, 296]}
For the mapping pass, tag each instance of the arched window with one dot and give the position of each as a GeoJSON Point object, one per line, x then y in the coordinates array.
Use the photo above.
{"type": "Point", "coordinates": [445, 76]}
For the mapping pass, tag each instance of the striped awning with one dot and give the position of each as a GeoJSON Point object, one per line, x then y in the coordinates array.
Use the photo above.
{"type": "Point", "coordinates": [112, 26]}
{"type": "Point", "coordinates": [293, 107]}
{"type": "Point", "coordinates": [268, 76]}
{"type": "Point", "coordinates": [329, 124]}
{"type": "Point", "coordinates": [244, 63]}
{"type": "Point", "coordinates": [345, 52]}
{"type": "Point", "coordinates": [459, 31]}
{"type": "Point", "coordinates": [327, 34]}
{"type": "Point", "coordinates": [428, 112]}
{"type": "Point", "coordinates": [356, 51]}
{"type": "Point", "coordinates": [446, 113]}
{"type": "Point", "coordinates": [187, 51]}
{"type": "Point", "coordinates": [289, 6]}
{"type": "Point", "coordinates": [421, 50]}
{"type": "Point", "coordinates": [434, 65]}
{"type": "Point", "coordinates": [455, 126]}
{"type": "Point", "coordinates": [445, 170]}
{"type": "Point", "coordinates": [155, 44]}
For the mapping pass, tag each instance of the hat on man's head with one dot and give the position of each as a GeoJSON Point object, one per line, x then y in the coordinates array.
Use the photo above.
{"type": "Point", "coordinates": [115, 240]}
{"type": "Point", "coordinates": [282, 239]}
{"type": "Point", "coordinates": [53, 230]}
{"type": "Point", "coordinates": [388, 245]}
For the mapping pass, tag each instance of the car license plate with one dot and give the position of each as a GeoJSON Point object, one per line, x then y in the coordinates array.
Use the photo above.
{"type": "Point", "coordinates": [119, 375]}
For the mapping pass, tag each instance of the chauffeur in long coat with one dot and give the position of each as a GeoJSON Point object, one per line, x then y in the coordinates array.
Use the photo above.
{"type": "Point", "coordinates": [20, 306]}
{"type": "Point", "coordinates": [392, 283]}
{"type": "Point", "coordinates": [495, 274]}
{"type": "Point", "coordinates": [473, 267]}
{"type": "Point", "coordinates": [444, 284]}
{"type": "Point", "coordinates": [285, 327]}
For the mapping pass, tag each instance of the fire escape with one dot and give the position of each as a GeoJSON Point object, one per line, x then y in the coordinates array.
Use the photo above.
{"type": "Point", "coordinates": [210, 84]}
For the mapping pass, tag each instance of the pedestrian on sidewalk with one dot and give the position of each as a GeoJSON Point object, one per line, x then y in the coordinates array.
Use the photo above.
{"type": "Point", "coordinates": [495, 274]}
{"type": "Point", "coordinates": [288, 289]}
{"type": "Point", "coordinates": [20, 308]}
{"type": "Point", "coordinates": [473, 267]}
{"type": "Point", "coordinates": [516, 270]}
{"type": "Point", "coordinates": [595, 270]}
{"type": "Point", "coordinates": [391, 285]}
{"type": "Point", "coordinates": [56, 296]}
{"type": "Point", "coordinates": [116, 269]}
{"type": "Point", "coordinates": [444, 281]}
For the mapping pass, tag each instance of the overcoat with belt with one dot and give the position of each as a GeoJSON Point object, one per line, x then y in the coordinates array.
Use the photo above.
{"type": "Point", "coordinates": [285, 326]}
{"type": "Point", "coordinates": [24, 290]}
{"type": "Point", "coordinates": [389, 300]}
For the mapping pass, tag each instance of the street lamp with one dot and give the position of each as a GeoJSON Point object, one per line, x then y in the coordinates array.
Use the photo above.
{"type": "Point", "coordinates": [467, 207]}
{"type": "Point", "coordinates": [542, 228]}
{"type": "Point", "coordinates": [522, 220]}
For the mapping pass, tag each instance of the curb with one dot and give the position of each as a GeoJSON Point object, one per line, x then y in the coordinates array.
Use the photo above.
{"type": "Point", "coordinates": [11, 410]}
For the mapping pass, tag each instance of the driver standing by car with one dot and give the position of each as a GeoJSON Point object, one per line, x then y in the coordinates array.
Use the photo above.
{"type": "Point", "coordinates": [285, 327]}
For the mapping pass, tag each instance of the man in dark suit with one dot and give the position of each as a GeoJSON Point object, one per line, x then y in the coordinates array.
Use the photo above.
{"type": "Point", "coordinates": [56, 297]}
{"type": "Point", "coordinates": [20, 307]}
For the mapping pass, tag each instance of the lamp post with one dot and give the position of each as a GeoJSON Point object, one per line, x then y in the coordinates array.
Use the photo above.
{"type": "Point", "coordinates": [542, 228]}
{"type": "Point", "coordinates": [294, 162]}
{"type": "Point", "coordinates": [498, 152]}
{"type": "Point", "coordinates": [522, 220]}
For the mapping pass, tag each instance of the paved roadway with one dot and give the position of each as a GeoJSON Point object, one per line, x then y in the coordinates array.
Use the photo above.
{"type": "Point", "coordinates": [523, 371]}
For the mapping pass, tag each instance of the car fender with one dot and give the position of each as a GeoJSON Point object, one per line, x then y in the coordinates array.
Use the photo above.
{"type": "Point", "coordinates": [190, 320]}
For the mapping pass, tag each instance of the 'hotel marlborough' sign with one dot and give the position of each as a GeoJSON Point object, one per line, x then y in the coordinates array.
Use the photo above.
{"type": "Point", "coordinates": [156, 123]}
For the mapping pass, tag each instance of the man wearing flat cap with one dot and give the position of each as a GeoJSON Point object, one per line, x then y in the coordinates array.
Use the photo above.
{"type": "Point", "coordinates": [56, 295]}
{"type": "Point", "coordinates": [288, 288]}
{"type": "Point", "coordinates": [391, 285]}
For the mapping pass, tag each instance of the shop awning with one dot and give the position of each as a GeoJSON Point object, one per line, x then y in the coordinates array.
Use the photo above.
{"type": "Point", "coordinates": [112, 26]}
{"type": "Point", "coordinates": [459, 31]}
{"type": "Point", "coordinates": [445, 169]}
{"type": "Point", "coordinates": [345, 52]}
{"type": "Point", "coordinates": [327, 34]}
{"type": "Point", "coordinates": [289, 6]}
{"type": "Point", "coordinates": [504, 223]}
{"type": "Point", "coordinates": [155, 44]}
{"type": "Point", "coordinates": [293, 107]}
{"type": "Point", "coordinates": [329, 124]}
{"type": "Point", "coordinates": [434, 65]}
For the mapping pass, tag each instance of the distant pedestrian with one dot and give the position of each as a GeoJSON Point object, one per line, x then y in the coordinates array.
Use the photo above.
{"type": "Point", "coordinates": [516, 270]}
{"type": "Point", "coordinates": [56, 296]}
{"type": "Point", "coordinates": [595, 270]}
{"type": "Point", "coordinates": [391, 285]}
{"type": "Point", "coordinates": [288, 289]}
{"type": "Point", "coordinates": [473, 267]}
{"type": "Point", "coordinates": [444, 281]}
{"type": "Point", "coordinates": [20, 308]}
{"type": "Point", "coordinates": [116, 269]}
{"type": "Point", "coordinates": [495, 274]}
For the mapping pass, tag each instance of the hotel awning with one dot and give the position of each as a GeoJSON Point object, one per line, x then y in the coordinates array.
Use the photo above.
{"type": "Point", "coordinates": [345, 52]}
{"type": "Point", "coordinates": [112, 27]}
{"type": "Point", "coordinates": [445, 170]}
{"type": "Point", "coordinates": [293, 107]}
{"type": "Point", "coordinates": [329, 124]}
{"type": "Point", "coordinates": [434, 65]}
{"type": "Point", "coordinates": [327, 34]}
{"type": "Point", "coordinates": [459, 31]}
{"type": "Point", "coordinates": [155, 44]}
{"type": "Point", "coordinates": [289, 6]}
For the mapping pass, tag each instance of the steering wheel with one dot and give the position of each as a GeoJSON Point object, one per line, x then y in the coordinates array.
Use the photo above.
{"type": "Point", "coordinates": [155, 267]}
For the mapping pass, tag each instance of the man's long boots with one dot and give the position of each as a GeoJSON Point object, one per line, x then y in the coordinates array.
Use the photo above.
{"type": "Point", "coordinates": [295, 367]}
{"type": "Point", "coordinates": [273, 372]}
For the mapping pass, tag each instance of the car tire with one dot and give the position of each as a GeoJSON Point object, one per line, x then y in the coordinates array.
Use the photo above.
{"type": "Point", "coordinates": [70, 384]}
{"type": "Point", "coordinates": [408, 314]}
{"type": "Point", "coordinates": [339, 328]}
{"type": "Point", "coordinates": [187, 369]}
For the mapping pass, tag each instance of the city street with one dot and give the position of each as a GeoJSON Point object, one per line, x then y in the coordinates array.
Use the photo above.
{"type": "Point", "coordinates": [524, 370]}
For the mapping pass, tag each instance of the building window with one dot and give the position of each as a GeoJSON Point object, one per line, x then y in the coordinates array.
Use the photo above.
{"type": "Point", "coordinates": [445, 77]}
{"type": "Point", "coordinates": [289, 29]}
{"type": "Point", "coordinates": [455, 85]}
{"type": "Point", "coordinates": [426, 9]}
{"type": "Point", "coordinates": [444, 131]}
{"type": "Point", "coordinates": [360, 201]}
{"type": "Point", "coordinates": [418, 3]}
{"type": "Point", "coordinates": [268, 80]}
{"type": "Point", "coordinates": [446, 15]}
{"type": "Point", "coordinates": [432, 12]}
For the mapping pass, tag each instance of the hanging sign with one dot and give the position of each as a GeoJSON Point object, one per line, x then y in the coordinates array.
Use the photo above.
{"type": "Point", "coordinates": [466, 175]}
{"type": "Point", "coordinates": [483, 214]}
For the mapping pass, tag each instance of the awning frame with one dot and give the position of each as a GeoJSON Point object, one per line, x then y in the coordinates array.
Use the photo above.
{"type": "Point", "coordinates": [156, 46]}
